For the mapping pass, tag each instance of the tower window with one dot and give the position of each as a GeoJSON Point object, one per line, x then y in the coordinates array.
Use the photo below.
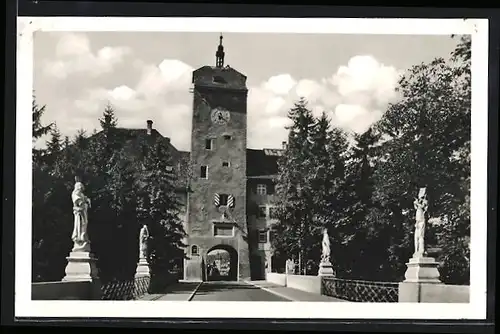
{"type": "Point", "coordinates": [227, 137]}
{"type": "Point", "coordinates": [194, 250]}
{"type": "Point", "coordinates": [261, 189]}
{"type": "Point", "coordinates": [219, 79]}
{"type": "Point", "coordinates": [204, 172]}
{"type": "Point", "coordinates": [223, 199]}
{"type": "Point", "coordinates": [209, 143]}
{"type": "Point", "coordinates": [225, 164]}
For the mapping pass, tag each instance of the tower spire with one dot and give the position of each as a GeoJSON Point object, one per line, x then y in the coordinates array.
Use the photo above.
{"type": "Point", "coordinates": [219, 55]}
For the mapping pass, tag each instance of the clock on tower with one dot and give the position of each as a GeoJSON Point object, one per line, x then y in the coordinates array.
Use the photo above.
{"type": "Point", "coordinates": [220, 116]}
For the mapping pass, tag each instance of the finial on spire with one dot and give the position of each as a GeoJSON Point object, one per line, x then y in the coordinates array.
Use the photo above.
{"type": "Point", "coordinates": [219, 55]}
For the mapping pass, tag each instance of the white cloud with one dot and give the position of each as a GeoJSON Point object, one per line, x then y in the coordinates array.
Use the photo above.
{"type": "Point", "coordinates": [74, 55]}
{"type": "Point", "coordinates": [122, 93]}
{"type": "Point", "coordinates": [274, 105]}
{"type": "Point", "coordinates": [310, 90]}
{"type": "Point", "coordinates": [354, 97]}
{"type": "Point", "coordinates": [170, 75]}
{"type": "Point", "coordinates": [280, 84]}
{"type": "Point", "coordinates": [160, 94]}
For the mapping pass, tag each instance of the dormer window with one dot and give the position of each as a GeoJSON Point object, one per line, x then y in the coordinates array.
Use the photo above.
{"type": "Point", "coordinates": [218, 79]}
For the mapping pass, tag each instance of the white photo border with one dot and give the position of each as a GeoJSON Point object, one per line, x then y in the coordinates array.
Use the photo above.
{"type": "Point", "coordinates": [476, 309]}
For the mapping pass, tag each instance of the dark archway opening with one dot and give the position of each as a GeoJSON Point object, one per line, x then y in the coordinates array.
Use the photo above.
{"type": "Point", "coordinates": [222, 264]}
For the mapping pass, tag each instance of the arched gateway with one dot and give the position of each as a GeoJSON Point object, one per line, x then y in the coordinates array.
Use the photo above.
{"type": "Point", "coordinates": [221, 264]}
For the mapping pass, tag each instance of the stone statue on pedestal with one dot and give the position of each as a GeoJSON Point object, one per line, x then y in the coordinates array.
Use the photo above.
{"type": "Point", "coordinates": [421, 269]}
{"type": "Point", "coordinates": [325, 267]}
{"type": "Point", "coordinates": [325, 255]}
{"type": "Point", "coordinates": [81, 204]}
{"type": "Point", "coordinates": [81, 262]}
{"type": "Point", "coordinates": [421, 206]}
{"type": "Point", "coordinates": [143, 265]}
{"type": "Point", "coordinates": [143, 242]}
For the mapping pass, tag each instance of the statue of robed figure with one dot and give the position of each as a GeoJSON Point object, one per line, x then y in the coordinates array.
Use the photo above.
{"type": "Point", "coordinates": [325, 254]}
{"type": "Point", "coordinates": [421, 205]}
{"type": "Point", "coordinates": [143, 242]}
{"type": "Point", "coordinates": [81, 204]}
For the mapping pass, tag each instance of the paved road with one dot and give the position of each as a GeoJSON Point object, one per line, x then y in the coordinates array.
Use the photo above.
{"type": "Point", "coordinates": [233, 291]}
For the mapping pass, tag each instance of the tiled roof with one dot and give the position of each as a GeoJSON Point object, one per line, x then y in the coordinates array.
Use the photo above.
{"type": "Point", "coordinates": [133, 140]}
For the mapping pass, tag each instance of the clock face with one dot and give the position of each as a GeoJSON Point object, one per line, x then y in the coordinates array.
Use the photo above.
{"type": "Point", "coordinates": [220, 116]}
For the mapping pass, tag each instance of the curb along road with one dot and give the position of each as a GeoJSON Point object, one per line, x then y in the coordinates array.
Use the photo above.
{"type": "Point", "coordinates": [194, 292]}
{"type": "Point", "coordinates": [271, 291]}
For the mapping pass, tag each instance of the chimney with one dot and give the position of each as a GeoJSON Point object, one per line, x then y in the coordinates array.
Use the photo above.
{"type": "Point", "coordinates": [149, 126]}
{"type": "Point", "coordinates": [283, 145]}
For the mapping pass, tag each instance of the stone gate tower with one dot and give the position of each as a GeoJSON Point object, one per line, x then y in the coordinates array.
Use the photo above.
{"type": "Point", "coordinates": [216, 216]}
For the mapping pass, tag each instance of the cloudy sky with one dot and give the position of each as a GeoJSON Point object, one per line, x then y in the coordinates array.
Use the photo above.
{"type": "Point", "coordinates": [148, 75]}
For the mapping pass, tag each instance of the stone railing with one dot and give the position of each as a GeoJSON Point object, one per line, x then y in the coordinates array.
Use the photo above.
{"type": "Point", "coordinates": [360, 291]}
{"type": "Point", "coordinates": [125, 290]}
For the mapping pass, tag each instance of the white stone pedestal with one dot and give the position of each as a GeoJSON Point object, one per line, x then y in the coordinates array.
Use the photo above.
{"type": "Point", "coordinates": [422, 270]}
{"type": "Point", "coordinates": [142, 268]}
{"type": "Point", "coordinates": [81, 267]}
{"type": "Point", "coordinates": [325, 269]}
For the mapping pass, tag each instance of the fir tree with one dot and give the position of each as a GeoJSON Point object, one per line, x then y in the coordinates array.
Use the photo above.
{"type": "Point", "coordinates": [159, 208]}
{"type": "Point", "coordinates": [54, 144]}
{"type": "Point", "coordinates": [108, 120]}
{"type": "Point", "coordinates": [293, 187]}
{"type": "Point", "coordinates": [38, 129]}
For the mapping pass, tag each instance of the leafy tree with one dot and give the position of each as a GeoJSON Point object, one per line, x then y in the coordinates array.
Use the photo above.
{"type": "Point", "coordinates": [454, 233]}
{"type": "Point", "coordinates": [429, 129]}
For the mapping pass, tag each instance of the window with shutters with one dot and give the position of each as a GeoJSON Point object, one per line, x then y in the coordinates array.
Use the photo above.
{"type": "Point", "coordinates": [223, 199]}
{"type": "Point", "coordinates": [262, 236]}
{"type": "Point", "coordinates": [261, 189]}
{"type": "Point", "coordinates": [204, 172]}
